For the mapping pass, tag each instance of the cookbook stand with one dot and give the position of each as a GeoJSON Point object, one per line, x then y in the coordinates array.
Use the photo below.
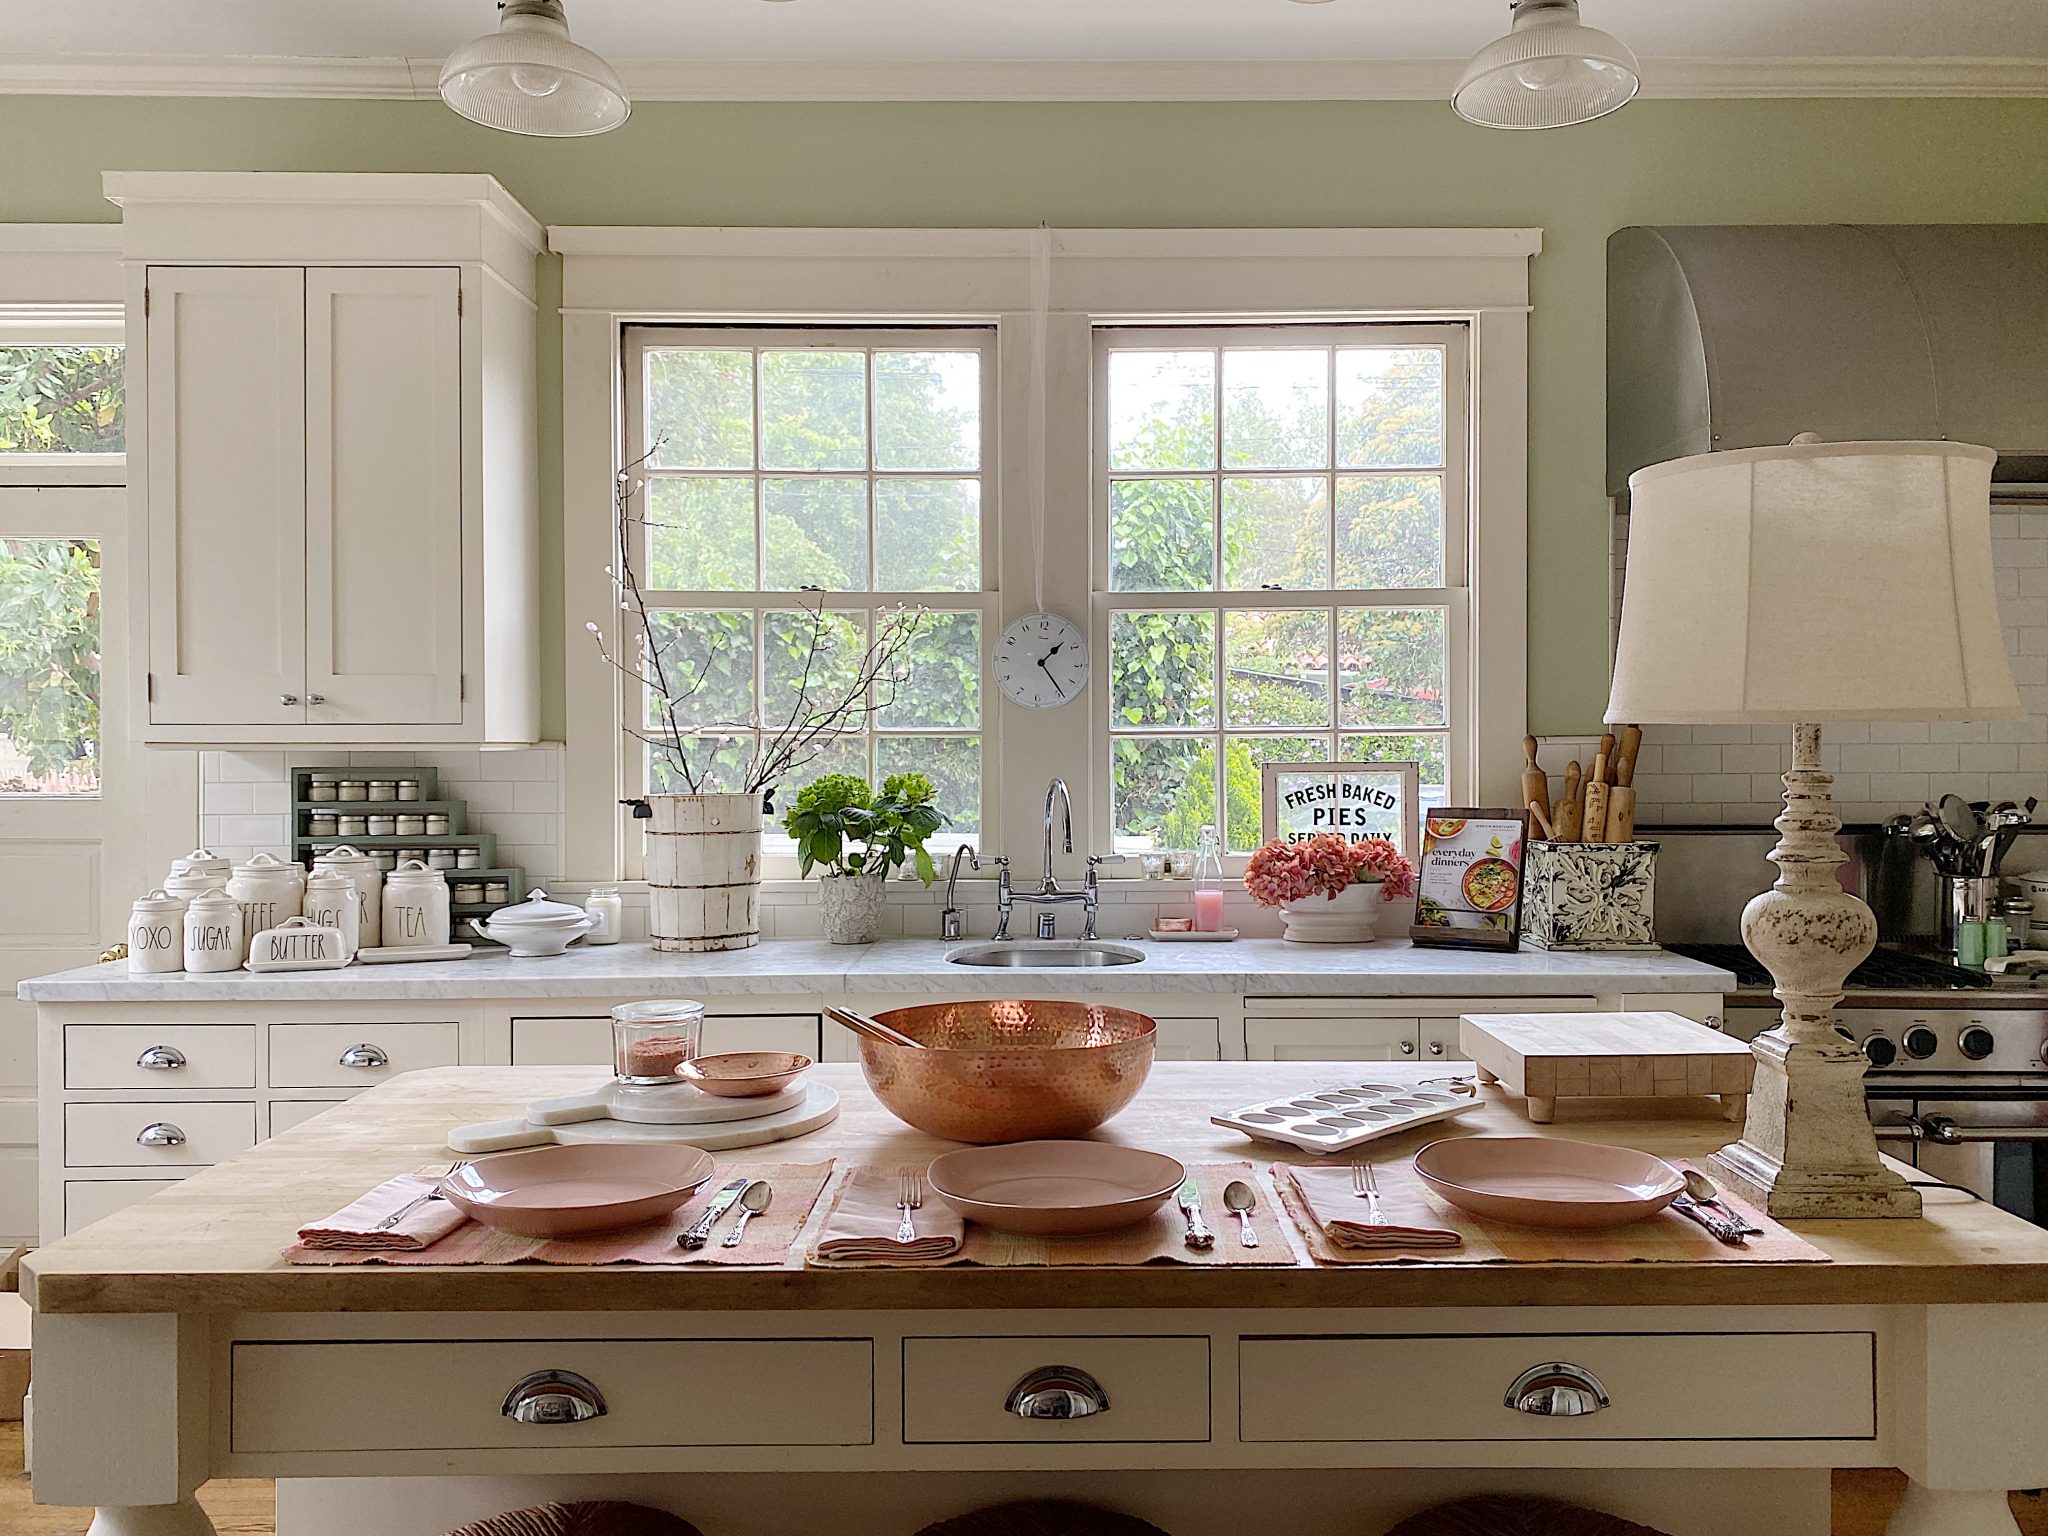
{"type": "Point", "coordinates": [675, 1112]}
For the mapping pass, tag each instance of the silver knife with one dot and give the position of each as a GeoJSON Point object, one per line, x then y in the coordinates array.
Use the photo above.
{"type": "Point", "coordinates": [700, 1231]}
{"type": "Point", "coordinates": [1199, 1237]}
{"type": "Point", "coordinates": [1734, 1233]}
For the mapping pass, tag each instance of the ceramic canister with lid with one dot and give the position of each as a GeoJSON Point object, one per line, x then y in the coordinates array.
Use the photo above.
{"type": "Point", "coordinates": [415, 905]}
{"type": "Point", "coordinates": [331, 902]}
{"type": "Point", "coordinates": [361, 871]}
{"type": "Point", "coordinates": [214, 936]}
{"type": "Point", "coordinates": [269, 890]}
{"type": "Point", "coordinates": [156, 934]}
{"type": "Point", "coordinates": [200, 870]}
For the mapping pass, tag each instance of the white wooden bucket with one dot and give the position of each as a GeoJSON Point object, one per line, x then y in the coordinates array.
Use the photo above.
{"type": "Point", "coordinates": [704, 871]}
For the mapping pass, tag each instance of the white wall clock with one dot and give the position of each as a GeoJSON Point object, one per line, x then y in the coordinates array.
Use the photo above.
{"type": "Point", "coordinates": [1041, 661]}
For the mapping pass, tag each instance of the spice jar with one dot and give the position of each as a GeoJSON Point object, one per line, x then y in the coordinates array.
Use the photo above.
{"type": "Point", "coordinates": [213, 932]}
{"type": "Point", "coordinates": [440, 858]}
{"type": "Point", "coordinates": [383, 791]}
{"type": "Point", "coordinates": [385, 859]}
{"type": "Point", "coordinates": [2018, 911]}
{"type": "Point", "coordinates": [415, 905]}
{"type": "Point", "coordinates": [382, 826]}
{"type": "Point", "coordinates": [469, 858]}
{"type": "Point", "coordinates": [437, 824]}
{"type": "Point", "coordinates": [156, 934]}
{"type": "Point", "coordinates": [352, 826]}
{"type": "Point", "coordinates": [497, 890]}
{"type": "Point", "coordinates": [331, 902]}
{"type": "Point", "coordinates": [408, 789]}
{"type": "Point", "coordinates": [351, 789]}
{"type": "Point", "coordinates": [268, 890]}
{"type": "Point", "coordinates": [366, 876]}
{"type": "Point", "coordinates": [468, 893]}
{"type": "Point", "coordinates": [411, 826]}
{"type": "Point", "coordinates": [415, 855]}
{"type": "Point", "coordinates": [323, 787]}
{"type": "Point", "coordinates": [322, 824]}
{"type": "Point", "coordinates": [604, 904]}
{"type": "Point", "coordinates": [651, 1040]}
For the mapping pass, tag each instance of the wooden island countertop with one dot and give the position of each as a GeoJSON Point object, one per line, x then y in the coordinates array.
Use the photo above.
{"type": "Point", "coordinates": [212, 1243]}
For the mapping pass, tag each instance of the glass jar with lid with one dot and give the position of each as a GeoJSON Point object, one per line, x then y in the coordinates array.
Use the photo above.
{"type": "Point", "coordinates": [651, 1040]}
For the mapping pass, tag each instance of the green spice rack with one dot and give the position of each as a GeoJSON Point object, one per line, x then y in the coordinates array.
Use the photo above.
{"type": "Point", "coordinates": [305, 845]}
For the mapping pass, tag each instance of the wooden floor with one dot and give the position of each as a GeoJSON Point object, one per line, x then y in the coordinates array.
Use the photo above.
{"type": "Point", "coordinates": [247, 1506]}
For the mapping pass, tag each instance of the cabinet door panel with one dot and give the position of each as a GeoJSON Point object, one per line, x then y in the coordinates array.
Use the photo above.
{"type": "Point", "coordinates": [225, 483]}
{"type": "Point", "coordinates": [383, 496]}
{"type": "Point", "coordinates": [1331, 1039]}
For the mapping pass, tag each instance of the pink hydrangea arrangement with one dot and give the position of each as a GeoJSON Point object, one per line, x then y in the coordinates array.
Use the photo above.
{"type": "Point", "coordinates": [1326, 865]}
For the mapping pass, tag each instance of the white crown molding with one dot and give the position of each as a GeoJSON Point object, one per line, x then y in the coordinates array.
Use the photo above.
{"type": "Point", "coordinates": [1027, 80]}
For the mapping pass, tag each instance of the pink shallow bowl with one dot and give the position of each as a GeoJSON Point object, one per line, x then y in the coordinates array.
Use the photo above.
{"type": "Point", "coordinates": [568, 1191]}
{"type": "Point", "coordinates": [745, 1074]}
{"type": "Point", "coordinates": [1055, 1188]}
{"type": "Point", "coordinates": [1539, 1181]}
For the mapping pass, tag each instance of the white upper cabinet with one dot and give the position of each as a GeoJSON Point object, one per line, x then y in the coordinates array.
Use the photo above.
{"type": "Point", "coordinates": [333, 462]}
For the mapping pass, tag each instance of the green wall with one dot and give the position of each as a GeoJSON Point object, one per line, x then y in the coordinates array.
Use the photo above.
{"type": "Point", "coordinates": [1391, 164]}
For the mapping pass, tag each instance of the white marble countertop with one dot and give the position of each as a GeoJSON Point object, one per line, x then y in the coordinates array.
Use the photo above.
{"type": "Point", "coordinates": [1252, 967]}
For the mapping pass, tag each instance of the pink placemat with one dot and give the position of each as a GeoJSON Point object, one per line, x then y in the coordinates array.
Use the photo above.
{"type": "Point", "coordinates": [1666, 1237]}
{"type": "Point", "coordinates": [770, 1236]}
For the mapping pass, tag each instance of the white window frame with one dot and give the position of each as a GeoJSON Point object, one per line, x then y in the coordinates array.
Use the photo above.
{"type": "Point", "coordinates": [636, 340]}
{"type": "Point", "coordinates": [60, 286]}
{"type": "Point", "coordinates": [613, 277]}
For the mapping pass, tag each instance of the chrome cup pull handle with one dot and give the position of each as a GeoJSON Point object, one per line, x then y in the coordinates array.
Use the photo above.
{"type": "Point", "coordinates": [161, 1058]}
{"type": "Point", "coordinates": [554, 1397]}
{"type": "Point", "coordinates": [1057, 1392]}
{"type": "Point", "coordinates": [368, 1057]}
{"type": "Point", "coordinates": [287, 699]}
{"type": "Point", "coordinates": [159, 1133]}
{"type": "Point", "coordinates": [1557, 1390]}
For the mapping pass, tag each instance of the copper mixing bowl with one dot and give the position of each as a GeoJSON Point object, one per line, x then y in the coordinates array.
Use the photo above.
{"type": "Point", "coordinates": [1009, 1071]}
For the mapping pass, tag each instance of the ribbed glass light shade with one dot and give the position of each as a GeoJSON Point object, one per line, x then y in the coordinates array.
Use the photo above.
{"type": "Point", "coordinates": [527, 77]}
{"type": "Point", "coordinates": [1549, 72]}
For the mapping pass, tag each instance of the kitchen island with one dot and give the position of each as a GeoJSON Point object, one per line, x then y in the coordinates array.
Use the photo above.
{"type": "Point", "coordinates": [1282, 1398]}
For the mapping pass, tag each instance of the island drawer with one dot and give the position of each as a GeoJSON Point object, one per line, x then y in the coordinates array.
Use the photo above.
{"type": "Point", "coordinates": [140, 1134]}
{"type": "Point", "coordinates": [160, 1056]}
{"type": "Point", "coordinates": [89, 1200]}
{"type": "Point", "coordinates": [1698, 1386]}
{"type": "Point", "coordinates": [453, 1395]}
{"type": "Point", "coordinates": [955, 1390]}
{"type": "Point", "coordinates": [356, 1055]}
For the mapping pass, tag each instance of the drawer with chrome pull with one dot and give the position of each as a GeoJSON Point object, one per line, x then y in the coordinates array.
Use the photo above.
{"type": "Point", "coordinates": [160, 1056]}
{"type": "Point", "coordinates": [142, 1133]}
{"type": "Point", "coordinates": [356, 1055]}
{"type": "Point", "coordinates": [538, 1394]}
{"type": "Point", "coordinates": [1698, 1386]}
{"type": "Point", "coordinates": [980, 1391]}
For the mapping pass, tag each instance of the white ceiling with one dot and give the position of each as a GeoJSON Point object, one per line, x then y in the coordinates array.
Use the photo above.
{"type": "Point", "coordinates": [997, 31]}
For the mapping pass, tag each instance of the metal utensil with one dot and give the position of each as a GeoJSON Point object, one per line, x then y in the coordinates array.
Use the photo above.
{"type": "Point", "coordinates": [1704, 1191]}
{"type": "Point", "coordinates": [754, 1199]}
{"type": "Point", "coordinates": [1366, 1185]}
{"type": "Point", "coordinates": [699, 1231]}
{"type": "Point", "coordinates": [1733, 1233]}
{"type": "Point", "coordinates": [1198, 1237]}
{"type": "Point", "coordinates": [1240, 1199]}
{"type": "Point", "coordinates": [1957, 819]}
{"type": "Point", "coordinates": [909, 1197]}
{"type": "Point", "coordinates": [872, 1029]}
{"type": "Point", "coordinates": [417, 1201]}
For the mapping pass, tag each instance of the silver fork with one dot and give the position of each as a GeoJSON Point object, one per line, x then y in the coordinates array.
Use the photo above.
{"type": "Point", "coordinates": [909, 1197]}
{"type": "Point", "coordinates": [417, 1201]}
{"type": "Point", "coordinates": [1366, 1186]}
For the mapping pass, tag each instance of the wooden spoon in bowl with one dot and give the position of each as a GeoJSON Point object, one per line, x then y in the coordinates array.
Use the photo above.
{"type": "Point", "coordinates": [874, 1029]}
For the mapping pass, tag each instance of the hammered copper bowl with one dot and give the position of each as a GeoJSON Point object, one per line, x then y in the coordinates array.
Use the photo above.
{"type": "Point", "coordinates": [1010, 1071]}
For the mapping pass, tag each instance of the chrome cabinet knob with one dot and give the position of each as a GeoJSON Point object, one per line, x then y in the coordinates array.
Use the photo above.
{"type": "Point", "coordinates": [1407, 1047]}
{"type": "Point", "coordinates": [1436, 1047]}
{"type": "Point", "coordinates": [287, 699]}
{"type": "Point", "coordinates": [161, 1058]}
{"type": "Point", "coordinates": [1057, 1392]}
{"type": "Point", "coordinates": [1558, 1391]}
{"type": "Point", "coordinates": [159, 1133]}
{"type": "Point", "coordinates": [554, 1397]}
{"type": "Point", "coordinates": [368, 1057]}
{"type": "Point", "coordinates": [316, 698]}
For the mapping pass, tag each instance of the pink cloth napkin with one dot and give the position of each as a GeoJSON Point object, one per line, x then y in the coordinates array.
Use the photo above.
{"type": "Point", "coordinates": [862, 1226]}
{"type": "Point", "coordinates": [1346, 1220]}
{"type": "Point", "coordinates": [354, 1228]}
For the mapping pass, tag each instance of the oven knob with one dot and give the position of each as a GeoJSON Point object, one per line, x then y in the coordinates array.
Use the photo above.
{"type": "Point", "coordinates": [1921, 1042]}
{"type": "Point", "coordinates": [1879, 1051]}
{"type": "Point", "coordinates": [1976, 1042]}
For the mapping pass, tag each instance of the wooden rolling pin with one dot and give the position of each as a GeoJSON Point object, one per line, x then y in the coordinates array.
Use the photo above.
{"type": "Point", "coordinates": [1594, 824]}
{"type": "Point", "coordinates": [1621, 798]}
{"type": "Point", "coordinates": [1567, 814]}
{"type": "Point", "coordinates": [1539, 820]}
{"type": "Point", "coordinates": [1535, 782]}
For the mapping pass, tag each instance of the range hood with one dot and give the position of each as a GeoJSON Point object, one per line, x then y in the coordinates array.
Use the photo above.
{"type": "Point", "coordinates": [1725, 337]}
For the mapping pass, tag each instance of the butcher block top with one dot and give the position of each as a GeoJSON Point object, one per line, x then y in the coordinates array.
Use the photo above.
{"type": "Point", "coordinates": [1606, 1055]}
{"type": "Point", "coordinates": [211, 1243]}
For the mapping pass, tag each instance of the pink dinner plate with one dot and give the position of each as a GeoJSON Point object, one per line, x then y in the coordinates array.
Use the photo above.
{"type": "Point", "coordinates": [1540, 1181]}
{"type": "Point", "coordinates": [1055, 1188]}
{"type": "Point", "coordinates": [569, 1191]}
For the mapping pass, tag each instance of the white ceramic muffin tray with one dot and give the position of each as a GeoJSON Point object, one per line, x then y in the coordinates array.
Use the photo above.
{"type": "Point", "coordinates": [1337, 1119]}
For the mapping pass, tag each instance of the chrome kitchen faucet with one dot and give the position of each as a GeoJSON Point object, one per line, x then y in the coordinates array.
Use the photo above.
{"type": "Point", "coordinates": [1049, 895]}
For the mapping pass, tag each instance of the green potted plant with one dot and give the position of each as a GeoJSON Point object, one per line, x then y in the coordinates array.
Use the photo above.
{"type": "Point", "coordinates": [859, 838]}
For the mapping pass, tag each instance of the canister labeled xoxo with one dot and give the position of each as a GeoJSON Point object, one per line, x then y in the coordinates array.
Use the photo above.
{"type": "Point", "coordinates": [156, 935]}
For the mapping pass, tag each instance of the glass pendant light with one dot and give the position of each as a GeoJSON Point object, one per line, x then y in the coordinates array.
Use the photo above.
{"type": "Point", "coordinates": [527, 77]}
{"type": "Point", "coordinates": [1550, 71]}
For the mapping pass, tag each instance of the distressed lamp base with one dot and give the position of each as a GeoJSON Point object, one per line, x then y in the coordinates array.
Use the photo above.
{"type": "Point", "coordinates": [1807, 1149]}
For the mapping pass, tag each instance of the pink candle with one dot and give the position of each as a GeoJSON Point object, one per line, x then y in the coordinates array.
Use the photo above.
{"type": "Point", "coordinates": [1208, 911]}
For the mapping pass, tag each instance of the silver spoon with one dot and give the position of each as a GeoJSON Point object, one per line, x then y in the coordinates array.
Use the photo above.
{"type": "Point", "coordinates": [1240, 1199]}
{"type": "Point", "coordinates": [754, 1199]}
{"type": "Point", "coordinates": [1707, 1193]}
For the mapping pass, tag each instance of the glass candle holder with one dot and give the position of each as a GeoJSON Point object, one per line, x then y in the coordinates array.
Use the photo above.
{"type": "Point", "coordinates": [1153, 865]}
{"type": "Point", "coordinates": [1180, 864]}
{"type": "Point", "coordinates": [651, 1040]}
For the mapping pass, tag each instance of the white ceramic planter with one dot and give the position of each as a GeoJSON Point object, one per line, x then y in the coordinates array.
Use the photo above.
{"type": "Point", "coordinates": [851, 907]}
{"type": "Point", "coordinates": [1346, 918]}
{"type": "Point", "coordinates": [704, 872]}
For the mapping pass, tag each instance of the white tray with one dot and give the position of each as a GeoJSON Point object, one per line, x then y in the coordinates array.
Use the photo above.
{"type": "Point", "coordinates": [1350, 1114]}
{"type": "Point", "coordinates": [820, 1107]}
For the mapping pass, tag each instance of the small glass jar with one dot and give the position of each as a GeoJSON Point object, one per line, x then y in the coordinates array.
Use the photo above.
{"type": "Point", "coordinates": [441, 858]}
{"type": "Point", "coordinates": [411, 826]}
{"type": "Point", "coordinates": [2018, 911]}
{"type": "Point", "coordinates": [469, 858]}
{"type": "Point", "coordinates": [608, 908]}
{"type": "Point", "coordinates": [352, 826]}
{"type": "Point", "coordinates": [418, 855]}
{"type": "Point", "coordinates": [408, 789]}
{"type": "Point", "coordinates": [322, 824]}
{"type": "Point", "coordinates": [1180, 864]}
{"type": "Point", "coordinates": [382, 826]}
{"type": "Point", "coordinates": [386, 859]}
{"type": "Point", "coordinates": [382, 791]}
{"type": "Point", "coordinates": [437, 824]}
{"type": "Point", "coordinates": [468, 893]}
{"type": "Point", "coordinates": [1153, 865]}
{"type": "Point", "coordinates": [323, 787]}
{"type": "Point", "coordinates": [497, 890]}
{"type": "Point", "coordinates": [351, 789]}
{"type": "Point", "coordinates": [651, 1040]}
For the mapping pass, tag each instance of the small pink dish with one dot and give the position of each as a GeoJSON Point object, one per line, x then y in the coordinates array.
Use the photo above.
{"type": "Point", "coordinates": [1540, 1181]}
{"type": "Point", "coordinates": [1055, 1188]}
{"type": "Point", "coordinates": [573, 1190]}
{"type": "Point", "coordinates": [745, 1074]}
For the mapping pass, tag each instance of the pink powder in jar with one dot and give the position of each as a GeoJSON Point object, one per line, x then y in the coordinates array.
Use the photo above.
{"type": "Point", "coordinates": [657, 1055]}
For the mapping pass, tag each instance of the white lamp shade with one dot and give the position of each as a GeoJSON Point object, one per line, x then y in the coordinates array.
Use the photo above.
{"type": "Point", "coordinates": [1810, 583]}
{"type": "Point", "coordinates": [528, 77]}
{"type": "Point", "coordinates": [1550, 71]}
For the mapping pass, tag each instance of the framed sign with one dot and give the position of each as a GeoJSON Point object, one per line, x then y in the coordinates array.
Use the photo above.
{"type": "Point", "coordinates": [1468, 882]}
{"type": "Point", "coordinates": [1356, 801]}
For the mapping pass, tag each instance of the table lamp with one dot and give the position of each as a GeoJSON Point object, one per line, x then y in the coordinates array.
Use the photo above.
{"type": "Point", "coordinates": [1800, 585]}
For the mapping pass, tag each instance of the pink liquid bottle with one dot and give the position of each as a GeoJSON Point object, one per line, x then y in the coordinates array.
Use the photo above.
{"type": "Point", "coordinates": [1209, 883]}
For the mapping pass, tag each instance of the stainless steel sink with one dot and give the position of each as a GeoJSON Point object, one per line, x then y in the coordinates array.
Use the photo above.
{"type": "Point", "coordinates": [1039, 954]}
